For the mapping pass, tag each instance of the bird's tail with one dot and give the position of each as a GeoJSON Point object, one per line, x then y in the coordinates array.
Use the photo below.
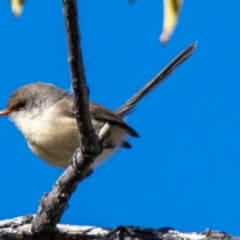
{"type": "Point", "coordinates": [129, 106]}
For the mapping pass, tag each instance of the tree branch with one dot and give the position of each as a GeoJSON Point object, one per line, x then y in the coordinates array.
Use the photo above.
{"type": "Point", "coordinates": [54, 203]}
{"type": "Point", "coordinates": [20, 228]}
{"type": "Point", "coordinates": [88, 139]}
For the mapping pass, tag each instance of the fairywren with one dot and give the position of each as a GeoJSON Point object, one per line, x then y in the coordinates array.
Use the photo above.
{"type": "Point", "coordinates": [45, 116]}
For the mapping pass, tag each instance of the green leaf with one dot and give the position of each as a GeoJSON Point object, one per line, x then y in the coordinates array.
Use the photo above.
{"type": "Point", "coordinates": [17, 7]}
{"type": "Point", "coordinates": [171, 13]}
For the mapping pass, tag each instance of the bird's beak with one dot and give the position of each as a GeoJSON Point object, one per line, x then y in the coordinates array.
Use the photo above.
{"type": "Point", "coordinates": [5, 112]}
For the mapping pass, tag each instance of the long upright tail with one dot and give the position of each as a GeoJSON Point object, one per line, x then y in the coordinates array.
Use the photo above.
{"type": "Point", "coordinates": [127, 107]}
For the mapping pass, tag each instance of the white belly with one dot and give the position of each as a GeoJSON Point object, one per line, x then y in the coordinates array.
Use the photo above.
{"type": "Point", "coordinates": [58, 152]}
{"type": "Point", "coordinates": [56, 140]}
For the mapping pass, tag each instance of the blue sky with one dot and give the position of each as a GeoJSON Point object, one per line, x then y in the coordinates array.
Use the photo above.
{"type": "Point", "coordinates": [184, 170]}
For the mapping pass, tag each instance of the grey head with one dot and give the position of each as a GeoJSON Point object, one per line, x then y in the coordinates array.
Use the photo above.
{"type": "Point", "coordinates": [33, 97]}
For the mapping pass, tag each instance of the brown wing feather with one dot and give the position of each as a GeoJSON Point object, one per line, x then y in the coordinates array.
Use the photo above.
{"type": "Point", "coordinates": [105, 115]}
{"type": "Point", "coordinates": [99, 113]}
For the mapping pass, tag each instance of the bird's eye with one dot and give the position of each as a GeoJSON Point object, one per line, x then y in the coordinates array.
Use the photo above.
{"type": "Point", "coordinates": [21, 105]}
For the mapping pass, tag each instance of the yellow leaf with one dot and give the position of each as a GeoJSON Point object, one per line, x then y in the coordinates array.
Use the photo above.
{"type": "Point", "coordinates": [171, 13]}
{"type": "Point", "coordinates": [17, 7]}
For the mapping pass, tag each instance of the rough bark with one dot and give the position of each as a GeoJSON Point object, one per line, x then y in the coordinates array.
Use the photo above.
{"type": "Point", "coordinates": [53, 204]}
{"type": "Point", "coordinates": [20, 228]}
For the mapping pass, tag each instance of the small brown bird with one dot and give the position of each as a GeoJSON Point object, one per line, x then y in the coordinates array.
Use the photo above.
{"type": "Point", "coordinates": [44, 114]}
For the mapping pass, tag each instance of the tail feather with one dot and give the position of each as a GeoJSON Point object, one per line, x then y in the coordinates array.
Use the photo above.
{"type": "Point", "coordinates": [129, 106]}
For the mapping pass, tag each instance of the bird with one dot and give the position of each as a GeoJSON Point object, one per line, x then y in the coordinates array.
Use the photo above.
{"type": "Point", "coordinates": [45, 115]}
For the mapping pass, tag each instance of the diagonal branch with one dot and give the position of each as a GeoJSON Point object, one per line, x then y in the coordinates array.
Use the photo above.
{"type": "Point", "coordinates": [54, 203]}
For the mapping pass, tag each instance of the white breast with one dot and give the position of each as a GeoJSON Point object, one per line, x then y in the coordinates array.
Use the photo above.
{"type": "Point", "coordinates": [54, 137]}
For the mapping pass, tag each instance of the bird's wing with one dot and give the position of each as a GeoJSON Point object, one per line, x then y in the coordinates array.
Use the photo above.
{"type": "Point", "coordinates": [97, 113]}
{"type": "Point", "coordinates": [105, 115]}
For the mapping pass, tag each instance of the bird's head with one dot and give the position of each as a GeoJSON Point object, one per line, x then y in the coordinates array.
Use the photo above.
{"type": "Point", "coordinates": [31, 100]}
